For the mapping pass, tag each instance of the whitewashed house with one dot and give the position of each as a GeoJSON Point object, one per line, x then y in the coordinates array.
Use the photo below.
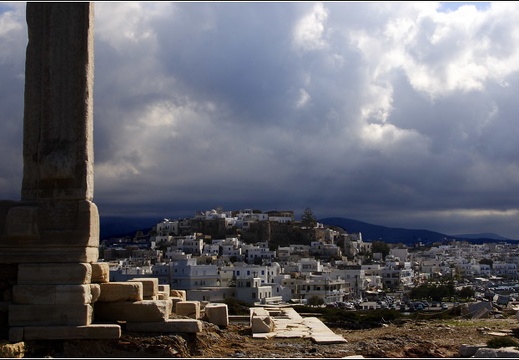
{"type": "Point", "coordinates": [186, 274]}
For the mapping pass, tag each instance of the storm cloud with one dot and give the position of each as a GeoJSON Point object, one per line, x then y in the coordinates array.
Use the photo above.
{"type": "Point", "coordinates": [398, 114]}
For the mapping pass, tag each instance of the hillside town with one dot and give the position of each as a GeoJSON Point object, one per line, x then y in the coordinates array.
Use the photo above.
{"type": "Point", "coordinates": [271, 258]}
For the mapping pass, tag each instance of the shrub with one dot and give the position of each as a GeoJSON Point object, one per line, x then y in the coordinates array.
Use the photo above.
{"type": "Point", "coordinates": [237, 307]}
{"type": "Point", "coordinates": [500, 342]}
{"type": "Point", "coordinates": [315, 300]}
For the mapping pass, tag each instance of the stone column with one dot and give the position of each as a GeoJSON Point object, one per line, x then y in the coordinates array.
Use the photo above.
{"type": "Point", "coordinates": [51, 236]}
{"type": "Point", "coordinates": [58, 114]}
{"type": "Point", "coordinates": [56, 220]}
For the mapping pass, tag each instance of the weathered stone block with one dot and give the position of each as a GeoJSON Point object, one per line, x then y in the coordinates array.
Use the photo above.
{"type": "Point", "coordinates": [260, 320]}
{"type": "Point", "coordinates": [17, 255]}
{"type": "Point", "coordinates": [188, 308]}
{"type": "Point", "coordinates": [4, 320]}
{"type": "Point", "coordinates": [121, 291]}
{"type": "Point", "coordinates": [54, 273]}
{"type": "Point", "coordinates": [174, 301]}
{"type": "Point", "coordinates": [50, 315]}
{"type": "Point", "coordinates": [257, 311]}
{"type": "Point", "coordinates": [52, 223]}
{"type": "Point", "coordinates": [14, 350]}
{"type": "Point", "coordinates": [93, 331]}
{"type": "Point", "coordinates": [467, 350]}
{"type": "Point", "coordinates": [150, 287]}
{"type": "Point", "coordinates": [146, 310]}
{"type": "Point", "coordinates": [95, 290]}
{"type": "Point", "coordinates": [262, 324]}
{"type": "Point", "coordinates": [168, 326]}
{"type": "Point", "coordinates": [52, 294]}
{"type": "Point", "coordinates": [504, 352]}
{"type": "Point", "coordinates": [164, 290]}
{"type": "Point", "coordinates": [217, 314]}
{"type": "Point", "coordinates": [59, 231]}
{"type": "Point", "coordinates": [15, 334]}
{"type": "Point", "coordinates": [178, 293]}
{"type": "Point", "coordinates": [100, 272]}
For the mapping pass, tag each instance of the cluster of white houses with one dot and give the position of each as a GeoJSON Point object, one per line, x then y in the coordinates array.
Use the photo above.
{"type": "Point", "coordinates": [333, 268]}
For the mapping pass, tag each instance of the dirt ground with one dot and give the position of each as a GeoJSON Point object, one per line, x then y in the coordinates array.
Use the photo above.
{"type": "Point", "coordinates": [412, 339]}
{"type": "Point", "coordinates": [409, 339]}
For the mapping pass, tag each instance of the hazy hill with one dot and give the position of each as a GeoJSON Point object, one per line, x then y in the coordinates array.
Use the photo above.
{"type": "Point", "coordinates": [372, 232]}
{"type": "Point", "coordinates": [116, 226]}
{"type": "Point", "coordinates": [392, 235]}
{"type": "Point", "coordinates": [480, 236]}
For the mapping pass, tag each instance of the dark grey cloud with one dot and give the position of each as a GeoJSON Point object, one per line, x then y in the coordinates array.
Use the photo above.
{"type": "Point", "coordinates": [13, 40]}
{"type": "Point", "coordinates": [400, 114]}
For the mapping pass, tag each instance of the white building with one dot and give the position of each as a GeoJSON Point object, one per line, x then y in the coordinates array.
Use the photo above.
{"type": "Point", "coordinates": [190, 244]}
{"type": "Point", "coordinates": [373, 274]}
{"type": "Point", "coordinates": [251, 291]}
{"type": "Point", "coordinates": [324, 287]}
{"type": "Point", "coordinates": [186, 274]}
{"type": "Point", "coordinates": [505, 270]}
{"type": "Point", "coordinates": [167, 227]}
{"type": "Point", "coordinates": [304, 266]}
{"type": "Point", "coordinates": [281, 216]}
{"type": "Point", "coordinates": [355, 277]}
{"type": "Point", "coordinates": [322, 249]}
{"type": "Point", "coordinates": [123, 271]}
{"type": "Point", "coordinates": [211, 294]}
{"type": "Point", "coordinates": [401, 254]}
{"type": "Point", "coordinates": [257, 252]}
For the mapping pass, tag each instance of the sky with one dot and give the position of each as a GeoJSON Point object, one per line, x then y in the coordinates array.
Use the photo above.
{"type": "Point", "coordinates": [402, 114]}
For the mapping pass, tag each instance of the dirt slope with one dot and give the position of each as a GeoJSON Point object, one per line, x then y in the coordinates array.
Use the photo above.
{"type": "Point", "coordinates": [410, 339]}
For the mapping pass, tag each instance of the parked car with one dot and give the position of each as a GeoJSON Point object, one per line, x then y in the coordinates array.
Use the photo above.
{"type": "Point", "coordinates": [418, 305]}
{"type": "Point", "coordinates": [445, 306]}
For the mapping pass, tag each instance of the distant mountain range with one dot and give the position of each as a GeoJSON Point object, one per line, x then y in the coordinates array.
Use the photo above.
{"type": "Point", "coordinates": [372, 232]}
{"type": "Point", "coordinates": [118, 226]}
{"type": "Point", "coordinates": [112, 226]}
{"type": "Point", "coordinates": [483, 235]}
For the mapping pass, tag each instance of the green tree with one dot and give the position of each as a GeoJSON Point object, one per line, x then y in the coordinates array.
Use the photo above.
{"type": "Point", "coordinates": [486, 262]}
{"type": "Point", "coordinates": [420, 292]}
{"type": "Point", "coordinates": [380, 247]}
{"type": "Point", "coordinates": [308, 219]}
{"type": "Point", "coordinates": [466, 292]}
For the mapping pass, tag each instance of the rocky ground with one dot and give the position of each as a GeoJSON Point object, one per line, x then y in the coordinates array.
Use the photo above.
{"type": "Point", "coordinates": [405, 339]}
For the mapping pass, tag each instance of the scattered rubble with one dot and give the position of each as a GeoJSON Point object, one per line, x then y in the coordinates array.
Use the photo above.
{"type": "Point", "coordinates": [407, 339]}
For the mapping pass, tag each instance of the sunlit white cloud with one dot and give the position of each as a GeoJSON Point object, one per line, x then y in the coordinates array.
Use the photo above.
{"type": "Point", "coordinates": [310, 31]}
{"type": "Point", "coordinates": [304, 98]}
